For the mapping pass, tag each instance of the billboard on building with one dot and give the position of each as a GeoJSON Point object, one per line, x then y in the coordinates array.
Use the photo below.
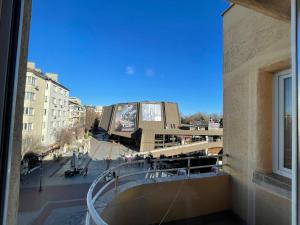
{"type": "Point", "coordinates": [125, 119]}
{"type": "Point", "coordinates": [151, 112]}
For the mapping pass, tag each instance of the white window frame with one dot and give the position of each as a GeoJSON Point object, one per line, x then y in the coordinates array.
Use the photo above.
{"type": "Point", "coordinates": [278, 100]}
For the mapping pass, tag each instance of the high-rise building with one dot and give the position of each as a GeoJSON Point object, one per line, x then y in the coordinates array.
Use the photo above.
{"type": "Point", "coordinates": [45, 108]}
{"type": "Point", "coordinates": [56, 108]}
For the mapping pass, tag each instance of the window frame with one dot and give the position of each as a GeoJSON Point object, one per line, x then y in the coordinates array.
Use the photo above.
{"type": "Point", "coordinates": [277, 137]}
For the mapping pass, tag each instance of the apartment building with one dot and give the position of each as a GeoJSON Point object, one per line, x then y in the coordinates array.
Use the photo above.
{"type": "Point", "coordinates": [77, 112]}
{"type": "Point", "coordinates": [33, 108]}
{"type": "Point", "coordinates": [45, 108]}
{"type": "Point", "coordinates": [56, 108]}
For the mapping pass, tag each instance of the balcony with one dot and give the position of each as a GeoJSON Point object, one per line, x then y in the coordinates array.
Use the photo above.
{"type": "Point", "coordinates": [192, 190]}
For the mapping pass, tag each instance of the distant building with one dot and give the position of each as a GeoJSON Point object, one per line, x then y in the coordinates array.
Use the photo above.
{"type": "Point", "coordinates": [45, 107]}
{"type": "Point", "coordinates": [148, 125]}
{"type": "Point", "coordinates": [77, 112]}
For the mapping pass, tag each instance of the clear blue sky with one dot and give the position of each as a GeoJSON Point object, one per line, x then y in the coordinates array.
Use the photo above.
{"type": "Point", "coordinates": [108, 51]}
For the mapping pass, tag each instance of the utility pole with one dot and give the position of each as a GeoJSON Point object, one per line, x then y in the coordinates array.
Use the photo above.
{"type": "Point", "coordinates": [41, 171]}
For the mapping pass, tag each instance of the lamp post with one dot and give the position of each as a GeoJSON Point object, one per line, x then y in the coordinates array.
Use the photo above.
{"type": "Point", "coordinates": [41, 171]}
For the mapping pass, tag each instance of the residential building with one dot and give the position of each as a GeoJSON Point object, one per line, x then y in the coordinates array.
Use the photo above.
{"type": "Point", "coordinates": [77, 112]}
{"type": "Point", "coordinates": [257, 111]}
{"type": "Point", "coordinates": [33, 108]}
{"type": "Point", "coordinates": [56, 108]}
{"type": "Point", "coordinates": [46, 108]}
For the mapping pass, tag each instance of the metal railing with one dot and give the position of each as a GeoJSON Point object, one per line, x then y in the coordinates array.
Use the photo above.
{"type": "Point", "coordinates": [157, 168]}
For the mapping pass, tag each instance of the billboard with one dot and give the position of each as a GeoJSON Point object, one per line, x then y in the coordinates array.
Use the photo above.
{"type": "Point", "coordinates": [125, 119]}
{"type": "Point", "coordinates": [151, 112]}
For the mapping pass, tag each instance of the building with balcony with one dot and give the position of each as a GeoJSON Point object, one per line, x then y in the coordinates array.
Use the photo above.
{"type": "Point", "coordinates": [77, 112]}
{"type": "Point", "coordinates": [46, 108]}
{"type": "Point", "coordinates": [56, 108]}
{"type": "Point", "coordinates": [254, 186]}
{"type": "Point", "coordinates": [33, 108]}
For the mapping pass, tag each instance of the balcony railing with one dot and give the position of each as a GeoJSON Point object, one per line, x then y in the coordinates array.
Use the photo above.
{"type": "Point", "coordinates": [158, 169]}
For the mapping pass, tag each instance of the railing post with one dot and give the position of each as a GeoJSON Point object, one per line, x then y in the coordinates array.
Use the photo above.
{"type": "Point", "coordinates": [189, 167]}
{"type": "Point", "coordinates": [218, 166]}
{"type": "Point", "coordinates": [155, 169]}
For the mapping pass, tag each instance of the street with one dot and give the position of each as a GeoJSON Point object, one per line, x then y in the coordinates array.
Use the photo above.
{"type": "Point", "coordinates": [62, 200]}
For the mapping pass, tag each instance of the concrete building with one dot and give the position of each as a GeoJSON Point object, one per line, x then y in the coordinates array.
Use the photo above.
{"type": "Point", "coordinates": [149, 125]}
{"type": "Point", "coordinates": [77, 112]}
{"type": "Point", "coordinates": [56, 108]}
{"type": "Point", "coordinates": [33, 108]}
{"type": "Point", "coordinates": [46, 108]}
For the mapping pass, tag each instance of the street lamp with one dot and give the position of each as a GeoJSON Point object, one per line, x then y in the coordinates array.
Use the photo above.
{"type": "Point", "coordinates": [41, 171]}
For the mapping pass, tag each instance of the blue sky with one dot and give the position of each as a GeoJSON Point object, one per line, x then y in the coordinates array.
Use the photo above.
{"type": "Point", "coordinates": [109, 51]}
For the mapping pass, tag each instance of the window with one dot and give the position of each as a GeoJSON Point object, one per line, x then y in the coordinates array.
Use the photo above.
{"type": "Point", "coordinates": [53, 112]}
{"type": "Point", "coordinates": [31, 80]}
{"type": "Point", "coordinates": [28, 111]}
{"type": "Point", "coordinates": [46, 99]}
{"type": "Point", "coordinates": [27, 126]}
{"type": "Point", "coordinates": [54, 100]}
{"type": "Point", "coordinates": [45, 112]}
{"type": "Point", "coordinates": [282, 124]}
{"type": "Point", "coordinates": [30, 96]}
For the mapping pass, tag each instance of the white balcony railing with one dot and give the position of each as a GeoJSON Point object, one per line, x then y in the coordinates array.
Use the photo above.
{"type": "Point", "coordinates": [158, 169]}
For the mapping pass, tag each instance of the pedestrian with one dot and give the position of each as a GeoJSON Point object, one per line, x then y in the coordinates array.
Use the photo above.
{"type": "Point", "coordinates": [85, 171]}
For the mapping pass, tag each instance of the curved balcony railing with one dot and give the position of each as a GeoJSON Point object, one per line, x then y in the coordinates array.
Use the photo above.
{"type": "Point", "coordinates": [158, 168]}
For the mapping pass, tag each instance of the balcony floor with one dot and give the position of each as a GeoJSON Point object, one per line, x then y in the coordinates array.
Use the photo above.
{"type": "Point", "coordinates": [221, 218]}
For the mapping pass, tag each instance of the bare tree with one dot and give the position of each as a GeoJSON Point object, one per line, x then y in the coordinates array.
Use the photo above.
{"type": "Point", "coordinates": [64, 136]}
{"type": "Point", "coordinates": [200, 116]}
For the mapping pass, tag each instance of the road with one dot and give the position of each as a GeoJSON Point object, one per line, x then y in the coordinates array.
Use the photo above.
{"type": "Point", "coordinates": [62, 200]}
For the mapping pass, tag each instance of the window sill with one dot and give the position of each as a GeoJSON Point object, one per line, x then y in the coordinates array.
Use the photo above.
{"type": "Point", "coordinates": [272, 182]}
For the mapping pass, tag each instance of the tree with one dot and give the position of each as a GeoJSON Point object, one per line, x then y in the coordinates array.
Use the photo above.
{"type": "Point", "coordinates": [200, 116]}
{"type": "Point", "coordinates": [64, 136]}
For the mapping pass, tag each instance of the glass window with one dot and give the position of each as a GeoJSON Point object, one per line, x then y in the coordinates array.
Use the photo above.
{"type": "Point", "coordinates": [282, 141]}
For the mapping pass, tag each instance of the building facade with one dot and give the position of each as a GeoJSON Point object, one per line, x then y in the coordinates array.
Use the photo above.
{"type": "Point", "coordinates": [77, 113]}
{"type": "Point", "coordinates": [33, 108]}
{"type": "Point", "coordinates": [56, 108]}
{"type": "Point", "coordinates": [46, 108]}
{"type": "Point", "coordinates": [257, 53]}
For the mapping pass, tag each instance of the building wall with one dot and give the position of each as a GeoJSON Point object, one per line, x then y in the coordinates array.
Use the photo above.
{"type": "Point", "coordinates": [255, 47]}
{"type": "Point", "coordinates": [54, 123]}
{"type": "Point", "coordinates": [194, 197]}
{"type": "Point", "coordinates": [172, 115]}
{"type": "Point", "coordinates": [38, 108]}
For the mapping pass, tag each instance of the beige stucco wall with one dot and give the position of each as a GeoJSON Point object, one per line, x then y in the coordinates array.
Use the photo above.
{"type": "Point", "coordinates": [38, 106]}
{"type": "Point", "coordinates": [255, 47]}
{"type": "Point", "coordinates": [147, 204]}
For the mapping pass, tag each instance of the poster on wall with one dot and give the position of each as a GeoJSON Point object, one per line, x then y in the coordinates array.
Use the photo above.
{"type": "Point", "coordinates": [151, 112]}
{"type": "Point", "coordinates": [125, 120]}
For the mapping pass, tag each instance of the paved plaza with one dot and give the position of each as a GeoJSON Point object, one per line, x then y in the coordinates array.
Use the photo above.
{"type": "Point", "coordinates": [63, 200]}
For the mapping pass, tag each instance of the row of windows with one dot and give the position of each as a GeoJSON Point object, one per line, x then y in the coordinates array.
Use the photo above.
{"type": "Point", "coordinates": [31, 80]}
{"type": "Point", "coordinates": [56, 112]}
{"type": "Point", "coordinates": [57, 124]}
{"type": "Point", "coordinates": [58, 90]}
{"type": "Point", "coordinates": [60, 101]}
{"type": "Point", "coordinates": [30, 96]}
{"type": "Point", "coordinates": [27, 126]}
